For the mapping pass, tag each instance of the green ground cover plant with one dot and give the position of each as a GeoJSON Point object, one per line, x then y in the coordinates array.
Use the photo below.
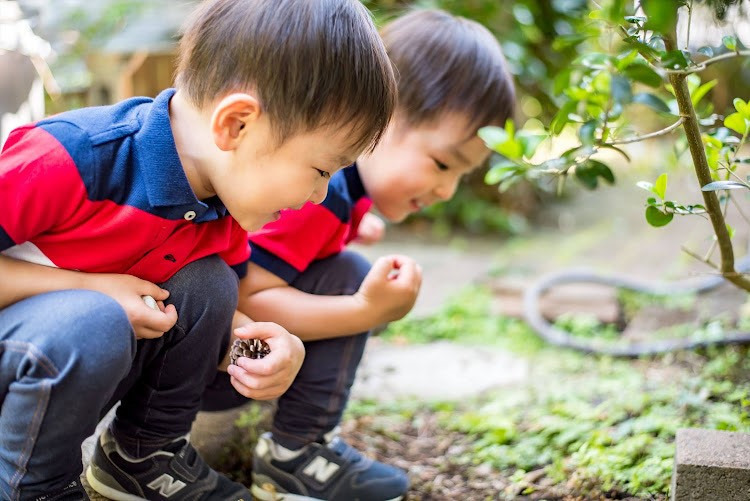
{"type": "Point", "coordinates": [593, 426]}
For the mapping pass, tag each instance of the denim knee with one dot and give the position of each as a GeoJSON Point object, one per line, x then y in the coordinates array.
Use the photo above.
{"type": "Point", "coordinates": [94, 338]}
{"type": "Point", "coordinates": [206, 287]}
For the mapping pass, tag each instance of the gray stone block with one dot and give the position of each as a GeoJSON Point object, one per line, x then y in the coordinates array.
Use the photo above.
{"type": "Point", "coordinates": [711, 465]}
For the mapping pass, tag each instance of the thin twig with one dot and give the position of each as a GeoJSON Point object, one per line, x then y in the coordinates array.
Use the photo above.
{"type": "Point", "coordinates": [737, 206]}
{"type": "Point", "coordinates": [696, 256]}
{"type": "Point", "coordinates": [650, 135]}
{"type": "Point", "coordinates": [705, 64]}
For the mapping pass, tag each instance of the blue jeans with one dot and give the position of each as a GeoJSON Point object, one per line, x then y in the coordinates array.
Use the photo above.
{"type": "Point", "coordinates": [314, 403]}
{"type": "Point", "coordinates": [67, 357]}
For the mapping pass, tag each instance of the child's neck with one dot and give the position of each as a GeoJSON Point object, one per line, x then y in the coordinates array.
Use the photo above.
{"type": "Point", "coordinates": [192, 137]}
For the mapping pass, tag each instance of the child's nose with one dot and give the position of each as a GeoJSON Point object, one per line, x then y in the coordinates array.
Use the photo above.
{"type": "Point", "coordinates": [320, 193]}
{"type": "Point", "coordinates": [447, 189]}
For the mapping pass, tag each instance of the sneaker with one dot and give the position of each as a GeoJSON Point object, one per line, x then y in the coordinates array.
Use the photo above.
{"type": "Point", "coordinates": [74, 491]}
{"type": "Point", "coordinates": [331, 471]}
{"type": "Point", "coordinates": [175, 472]}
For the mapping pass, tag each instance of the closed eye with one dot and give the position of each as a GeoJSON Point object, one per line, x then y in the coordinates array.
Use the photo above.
{"type": "Point", "coordinates": [440, 165]}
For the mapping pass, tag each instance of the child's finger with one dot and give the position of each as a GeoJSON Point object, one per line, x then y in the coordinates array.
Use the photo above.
{"type": "Point", "coordinates": [158, 320]}
{"type": "Point", "coordinates": [150, 289]}
{"type": "Point", "coordinates": [257, 330]}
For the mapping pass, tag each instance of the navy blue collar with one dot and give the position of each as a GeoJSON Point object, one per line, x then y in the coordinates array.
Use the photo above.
{"type": "Point", "coordinates": [164, 176]}
{"type": "Point", "coordinates": [354, 182]}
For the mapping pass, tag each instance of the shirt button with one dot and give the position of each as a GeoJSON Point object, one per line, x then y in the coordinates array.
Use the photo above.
{"type": "Point", "coordinates": [189, 215]}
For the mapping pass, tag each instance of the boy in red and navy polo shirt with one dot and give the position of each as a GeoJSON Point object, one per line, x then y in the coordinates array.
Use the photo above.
{"type": "Point", "coordinates": [452, 80]}
{"type": "Point", "coordinates": [102, 207]}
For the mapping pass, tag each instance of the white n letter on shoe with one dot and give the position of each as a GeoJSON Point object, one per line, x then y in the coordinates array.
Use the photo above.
{"type": "Point", "coordinates": [166, 485]}
{"type": "Point", "coordinates": [321, 469]}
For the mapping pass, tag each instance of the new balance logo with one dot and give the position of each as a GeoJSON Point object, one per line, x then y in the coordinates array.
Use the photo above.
{"type": "Point", "coordinates": [166, 485]}
{"type": "Point", "coordinates": [320, 469]}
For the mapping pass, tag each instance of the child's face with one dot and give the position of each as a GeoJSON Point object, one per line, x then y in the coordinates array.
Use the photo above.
{"type": "Point", "coordinates": [265, 177]}
{"type": "Point", "coordinates": [413, 167]}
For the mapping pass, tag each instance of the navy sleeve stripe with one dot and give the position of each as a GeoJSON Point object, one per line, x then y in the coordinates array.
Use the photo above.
{"type": "Point", "coordinates": [240, 269]}
{"type": "Point", "coordinates": [273, 263]}
{"type": "Point", "coordinates": [5, 241]}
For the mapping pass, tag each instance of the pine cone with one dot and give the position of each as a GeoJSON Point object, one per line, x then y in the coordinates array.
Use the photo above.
{"type": "Point", "coordinates": [250, 348]}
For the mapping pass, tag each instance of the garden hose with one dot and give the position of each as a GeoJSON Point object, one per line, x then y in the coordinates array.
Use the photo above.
{"type": "Point", "coordinates": [559, 337]}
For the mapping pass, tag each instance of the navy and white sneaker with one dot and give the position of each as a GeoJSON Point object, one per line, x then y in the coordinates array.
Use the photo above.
{"type": "Point", "coordinates": [175, 472]}
{"type": "Point", "coordinates": [331, 471]}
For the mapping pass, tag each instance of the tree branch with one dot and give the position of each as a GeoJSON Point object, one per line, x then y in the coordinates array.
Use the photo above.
{"type": "Point", "coordinates": [650, 135]}
{"type": "Point", "coordinates": [708, 62]}
{"type": "Point", "coordinates": [703, 173]}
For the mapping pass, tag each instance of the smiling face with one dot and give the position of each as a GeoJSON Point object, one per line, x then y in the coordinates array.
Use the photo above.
{"type": "Point", "coordinates": [416, 166]}
{"type": "Point", "coordinates": [256, 175]}
{"type": "Point", "coordinates": [265, 177]}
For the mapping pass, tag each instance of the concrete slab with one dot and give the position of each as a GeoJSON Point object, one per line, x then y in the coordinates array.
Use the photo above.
{"type": "Point", "coordinates": [436, 371]}
{"type": "Point", "coordinates": [711, 465]}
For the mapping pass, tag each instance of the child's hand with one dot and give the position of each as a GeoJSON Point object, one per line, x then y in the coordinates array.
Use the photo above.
{"type": "Point", "coordinates": [391, 287]}
{"type": "Point", "coordinates": [147, 322]}
{"type": "Point", "coordinates": [371, 229]}
{"type": "Point", "coordinates": [268, 377]}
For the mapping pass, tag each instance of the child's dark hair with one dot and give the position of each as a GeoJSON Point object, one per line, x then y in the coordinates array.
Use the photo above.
{"type": "Point", "coordinates": [311, 63]}
{"type": "Point", "coordinates": [446, 63]}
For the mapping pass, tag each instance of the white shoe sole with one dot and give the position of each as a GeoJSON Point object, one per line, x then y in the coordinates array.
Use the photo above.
{"type": "Point", "coordinates": [270, 494]}
{"type": "Point", "coordinates": [108, 491]}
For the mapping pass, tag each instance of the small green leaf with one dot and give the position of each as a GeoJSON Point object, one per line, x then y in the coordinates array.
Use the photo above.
{"type": "Point", "coordinates": [657, 218]}
{"type": "Point", "coordinates": [621, 89]}
{"type": "Point", "coordinates": [587, 132]}
{"type": "Point", "coordinates": [729, 42]}
{"type": "Point", "coordinates": [674, 59]}
{"type": "Point", "coordinates": [602, 170]}
{"type": "Point", "coordinates": [652, 101]}
{"type": "Point", "coordinates": [493, 136]}
{"type": "Point", "coordinates": [730, 230]}
{"type": "Point", "coordinates": [736, 122]}
{"type": "Point", "coordinates": [500, 171]}
{"type": "Point", "coordinates": [586, 176]}
{"type": "Point", "coordinates": [742, 107]}
{"type": "Point", "coordinates": [661, 14]}
{"type": "Point", "coordinates": [627, 60]}
{"type": "Point", "coordinates": [701, 91]}
{"type": "Point", "coordinates": [644, 74]}
{"type": "Point", "coordinates": [562, 117]}
{"type": "Point", "coordinates": [645, 185]}
{"type": "Point", "coordinates": [724, 185]}
{"type": "Point", "coordinates": [660, 187]}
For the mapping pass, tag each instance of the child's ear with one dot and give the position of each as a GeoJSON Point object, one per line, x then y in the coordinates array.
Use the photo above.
{"type": "Point", "coordinates": [231, 117]}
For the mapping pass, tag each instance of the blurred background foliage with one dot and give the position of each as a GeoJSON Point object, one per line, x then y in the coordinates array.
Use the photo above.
{"type": "Point", "coordinates": [541, 39]}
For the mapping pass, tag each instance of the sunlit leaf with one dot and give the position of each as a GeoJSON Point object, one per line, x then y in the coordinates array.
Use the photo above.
{"type": "Point", "coordinates": [729, 42]}
{"type": "Point", "coordinates": [700, 92]}
{"type": "Point", "coordinates": [645, 185]}
{"type": "Point", "coordinates": [725, 185]}
{"type": "Point", "coordinates": [736, 122]}
{"type": "Point", "coordinates": [660, 186]}
{"type": "Point", "coordinates": [742, 107]}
